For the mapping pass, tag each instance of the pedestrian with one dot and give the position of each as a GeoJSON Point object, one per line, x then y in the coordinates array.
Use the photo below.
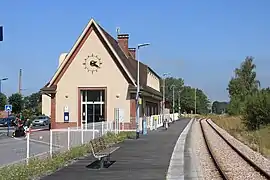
{"type": "Point", "coordinates": [166, 123]}
{"type": "Point", "coordinates": [155, 119]}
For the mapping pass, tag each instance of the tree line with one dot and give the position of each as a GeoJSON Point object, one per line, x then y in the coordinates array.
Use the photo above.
{"type": "Point", "coordinates": [185, 96]}
{"type": "Point", "coordinates": [29, 106]}
{"type": "Point", "coordinates": [247, 98]}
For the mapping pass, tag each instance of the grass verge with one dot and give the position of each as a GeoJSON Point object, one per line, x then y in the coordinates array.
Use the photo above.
{"type": "Point", "coordinates": [41, 167]}
{"type": "Point", "coordinates": [258, 140]}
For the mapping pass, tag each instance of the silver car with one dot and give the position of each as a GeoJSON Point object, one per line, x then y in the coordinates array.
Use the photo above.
{"type": "Point", "coordinates": [41, 121]}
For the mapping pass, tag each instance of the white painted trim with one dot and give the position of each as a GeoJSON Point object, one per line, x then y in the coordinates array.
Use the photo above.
{"type": "Point", "coordinates": [92, 21]}
{"type": "Point", "coordinates": [176, 168]}
{"type": "Point", "coordinates": [96, 102]}
{"type": "Point", "coordinates": [119, 59]}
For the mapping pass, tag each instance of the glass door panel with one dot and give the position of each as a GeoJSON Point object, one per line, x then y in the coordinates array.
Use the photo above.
{"type": "Point", "coordinates": [90, 113]}
{"type": "Point", "coordinates": [83, 113]}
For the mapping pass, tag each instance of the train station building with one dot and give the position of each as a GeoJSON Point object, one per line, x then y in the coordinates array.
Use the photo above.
{"type": "Point", "coordinates": [98, 75]}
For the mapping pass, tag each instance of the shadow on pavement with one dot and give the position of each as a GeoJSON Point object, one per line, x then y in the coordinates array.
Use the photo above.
{"type": "Point", "coordinates": [96, 164]}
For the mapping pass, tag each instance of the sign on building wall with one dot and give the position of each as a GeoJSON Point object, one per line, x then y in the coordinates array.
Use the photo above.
{"type": "Point", "coordinates": [66, 114]}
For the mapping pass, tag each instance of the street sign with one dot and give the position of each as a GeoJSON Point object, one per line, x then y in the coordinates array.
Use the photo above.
{"type": "Point", "coordinates": [8, 108]}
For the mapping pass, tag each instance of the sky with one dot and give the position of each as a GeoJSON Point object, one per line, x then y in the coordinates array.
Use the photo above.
{"type": "Point", "coordinates": [201, 41]}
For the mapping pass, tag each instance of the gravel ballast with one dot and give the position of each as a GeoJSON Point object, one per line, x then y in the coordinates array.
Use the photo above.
{"type": "Point", "coordinates": [199, 159]}
{"type": "Point", "coordinates": [231, 163]}
{"type": "Point", "coordinates": [256, 157]}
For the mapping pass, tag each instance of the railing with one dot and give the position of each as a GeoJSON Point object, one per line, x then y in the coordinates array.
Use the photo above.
{"type": "Point", "coordinates": [61, 140]}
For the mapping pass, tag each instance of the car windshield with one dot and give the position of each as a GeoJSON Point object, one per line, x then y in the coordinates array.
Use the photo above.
{"type": "Point", "coordinates": [42, 117]}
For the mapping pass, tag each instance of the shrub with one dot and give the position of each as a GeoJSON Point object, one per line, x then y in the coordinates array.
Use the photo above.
{"type": "Point", "coordinates": [257, 110]}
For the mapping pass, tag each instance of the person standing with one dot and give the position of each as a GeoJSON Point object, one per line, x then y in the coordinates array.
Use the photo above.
{"type": "Point", "coordinates": [155, 121]}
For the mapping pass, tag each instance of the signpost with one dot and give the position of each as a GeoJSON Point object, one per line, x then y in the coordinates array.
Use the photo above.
{"type": "Point", "coordinates": [8, 109]}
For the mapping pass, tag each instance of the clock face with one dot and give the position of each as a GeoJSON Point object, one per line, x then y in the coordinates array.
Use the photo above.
{"type": "Point", "coordinates": [92, 63]}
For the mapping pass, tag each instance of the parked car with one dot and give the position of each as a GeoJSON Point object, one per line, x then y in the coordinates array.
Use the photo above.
{"type": "Point", "coordinates": [41, 121]}
{"type": "Point", "coordinates": [10, 119]}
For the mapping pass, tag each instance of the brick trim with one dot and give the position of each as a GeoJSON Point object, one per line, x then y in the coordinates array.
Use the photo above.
{"type": "Point", "coordinates": [53, 111]}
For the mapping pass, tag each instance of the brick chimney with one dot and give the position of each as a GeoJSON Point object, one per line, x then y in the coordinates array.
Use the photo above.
{"type": "Point", "coordinates": [132, 52]}
{"type": "Point", "coordinates": [123, 42]}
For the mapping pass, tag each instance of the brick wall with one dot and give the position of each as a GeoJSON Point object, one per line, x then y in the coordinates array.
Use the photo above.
{"type": "Point", "coordinates": [133, 113]}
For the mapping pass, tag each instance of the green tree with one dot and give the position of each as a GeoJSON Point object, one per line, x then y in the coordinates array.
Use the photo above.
{"type": "Point", "coordinates": [16, 100]}
{"type": "Point", "coordinates": [188, 100]}
{"type": "Point", "coordinates": [243, 84]}
{"type": "Point", "coordinates": [177, 83]}
{"type": "Point", "coordinates": [32, 103]}
{"type": "Point", "coordinates": [219, 107]}
{"type": "Point", "coordinates": [186, 94]}
{"type": "Point", "coordinates": [202, 102]}
{"type": "Point", "coordinates": [3, 101]}
{"type": "Point", "coordinates": [257, 109]}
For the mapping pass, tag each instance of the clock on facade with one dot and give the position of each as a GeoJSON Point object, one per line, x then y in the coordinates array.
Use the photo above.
{"type": "Point", "coordinates": [92, 63]}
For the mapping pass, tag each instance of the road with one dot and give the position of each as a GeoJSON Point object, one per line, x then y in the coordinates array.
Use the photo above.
{"type": "Point", "coordinates": [4, 129]}
{"type": "Point", "coordinates": [13, 150]}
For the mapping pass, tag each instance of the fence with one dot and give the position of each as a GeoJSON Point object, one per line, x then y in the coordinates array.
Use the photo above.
{"type": "Point", "coordinates": [64, 139]}
{"type": "Point", "coordinates": [46, 143]}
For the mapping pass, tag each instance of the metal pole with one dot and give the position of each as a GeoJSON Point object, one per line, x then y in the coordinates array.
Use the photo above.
{"type": "Point", "coordinates": [8, 124]}
{"type": "Point", "coordinates": [163, 101]}
{"type": "Point", "coordinates": [20, 81]}
{"type": "Point", "coordinates": [138, 89]}
{"type": "Point", "coordinates": [173, 102]}
{"type": "Point", "coordinates": [195, 101]}
{"type": "Point", "coordinates": [27, 147]}
{"type": "Point", "coordinates": [93, 121]}
{"type": "Point", "coordinates": [179, 102]}
{"type": "Point", "coordinates": [137, 95]}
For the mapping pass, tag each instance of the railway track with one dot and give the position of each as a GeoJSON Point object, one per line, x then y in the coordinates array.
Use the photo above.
{"type": "Point", "coordinates": [226, 171]}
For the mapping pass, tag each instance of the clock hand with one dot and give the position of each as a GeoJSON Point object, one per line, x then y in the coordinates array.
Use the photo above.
{"type": "Point", "coordinates": [93, 63]}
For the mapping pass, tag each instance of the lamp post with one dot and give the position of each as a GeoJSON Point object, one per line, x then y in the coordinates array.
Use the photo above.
{"type": "Point", "coordinates": [195, 97]}
{"type": "Point", "coordinates": [3, 79]}
{"type": "Point", "coordinates": [173, 86]}
{"type": "Point", "coordinates": [163, 99]}
{"type": "Point", "coordinates": [179, 102]}
{"type": "Point", "coordinates": [138, 89]}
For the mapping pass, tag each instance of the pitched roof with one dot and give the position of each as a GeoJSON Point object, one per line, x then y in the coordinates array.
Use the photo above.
{"type": "Point", "coordinates": [128, 63]}
{"type": "Point", "coordinates": [80, 41]}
